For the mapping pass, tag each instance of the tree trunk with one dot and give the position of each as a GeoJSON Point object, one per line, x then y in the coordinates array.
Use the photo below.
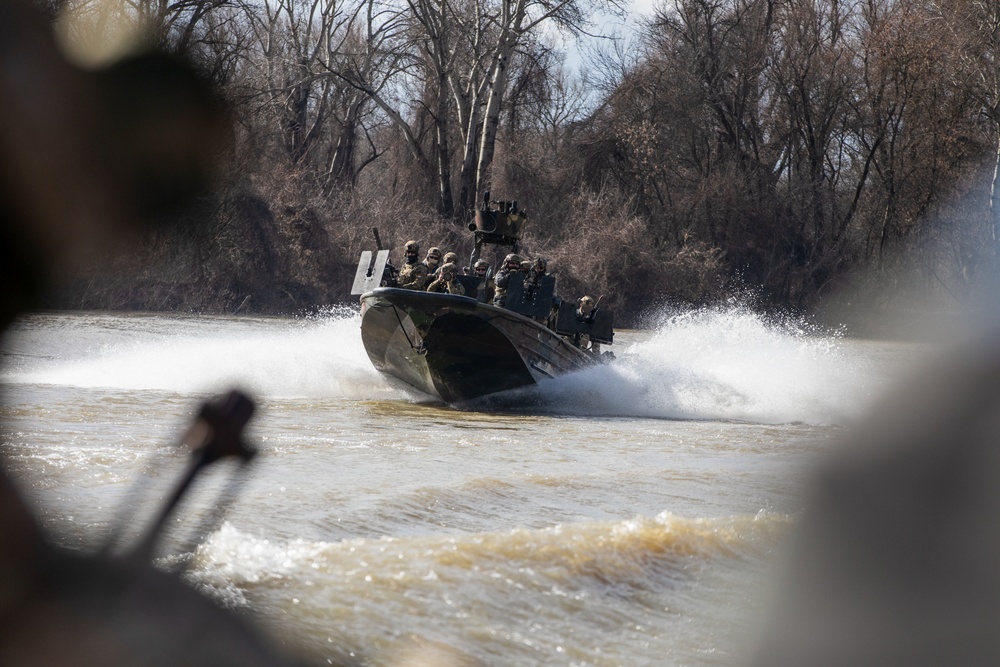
{"type": "Point", "coordinates": [489, 134]}
{"type": "Point", "coordinates": [995, 198]}
{"type": "Point", "coordinates": [341, 171]}
{"type": "Point", "coordinates": [498, 88]}
{"type": "Point", "coordinates": [446, 201]}
{"type": "Point", "coordinates": [467, 179]}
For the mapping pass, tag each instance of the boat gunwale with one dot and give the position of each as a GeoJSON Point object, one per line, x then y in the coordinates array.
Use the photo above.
{"type": "Point", "coordinates": [451, 300]}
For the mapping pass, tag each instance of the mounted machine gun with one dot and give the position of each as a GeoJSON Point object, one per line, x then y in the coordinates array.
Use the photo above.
{"type": "Point", "coordinates": [497, 223]}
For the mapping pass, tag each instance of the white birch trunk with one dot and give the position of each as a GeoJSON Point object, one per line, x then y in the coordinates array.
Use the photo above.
{"type": "Point", "coordinates": [995, 198]}
{"type": "Point", "coordinates": [513, 19]}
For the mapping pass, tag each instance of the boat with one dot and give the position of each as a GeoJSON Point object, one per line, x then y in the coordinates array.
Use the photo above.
{"type": "Point", "coordinates": [460, 348]}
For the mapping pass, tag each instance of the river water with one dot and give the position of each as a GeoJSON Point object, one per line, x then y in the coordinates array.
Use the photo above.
{"type": "Point", "coordinates": [627, 515]}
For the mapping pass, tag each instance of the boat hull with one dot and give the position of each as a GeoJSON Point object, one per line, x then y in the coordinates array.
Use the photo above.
{"type": "Point", "coordinates": [458, 349]}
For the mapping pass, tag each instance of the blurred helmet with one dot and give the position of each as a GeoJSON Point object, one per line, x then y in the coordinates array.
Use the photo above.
{"type": "Point", "coordinates": [540, 264]}
{"type": "Point", "coordinates": [481, 264]}
{"type": "Point", "coordinates": [434, 253]}
{"type": "Point", "coordinates": [412, 246]}
{"type": "Point", "coordinates": [586, 301]}
{"type": "Point", "coordinates": [512, 259]}
{"type": "Point", "coordinates": [526, 265]}
{"type": "Point", "coordinates": [448, 267]}
{"type": "Point", "coordinates": [450, 257]}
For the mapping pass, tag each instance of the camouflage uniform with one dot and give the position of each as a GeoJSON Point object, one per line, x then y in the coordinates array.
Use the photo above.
{"type": "Point", "coordinates": [511, 265]}
{"type": "Point", "coordinates": [487, 286]}
{"type": "Point", "coordinates": [446, 281]}
{"type": "Point", "coordinates": [536, 271]}
{"type": "Point", "coordinates": [449, 258]}
{"type": "Point", "coordinates": [432, 262]}
{"type": "Point", "coordinates": [413, 275]}
{"type": "Point", "coordinates": [585, 313]}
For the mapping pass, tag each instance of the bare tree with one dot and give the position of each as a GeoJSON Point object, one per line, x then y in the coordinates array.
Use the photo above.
{"type": "Point", "coordinates": [372, 55]}
{"type": "Point", "coordinates": [294, 37]}
{"type": "Point", "coordinates": [468, 50]}
{"type": "Point", "coordinates": [102, 27]}
{"type": "Point", "coordinates": [974, 28]}
{"type": "Point", "coordinates": [913, 122]}
{"type": "Point", "coordinates": [813, 83]}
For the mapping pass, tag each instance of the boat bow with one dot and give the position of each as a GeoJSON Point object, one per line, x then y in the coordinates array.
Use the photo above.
{"type": "Point", "coordinates": [456, 348]}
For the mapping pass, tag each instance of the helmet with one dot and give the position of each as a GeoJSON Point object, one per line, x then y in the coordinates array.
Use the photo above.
{"type": "Point", "coordinates": [512, 259]}
{"type": "Point", "coordinates": [412, 246]}
{"type": "Point", "coordinates": [448, 267]}
{"type": "Point", "coordinates": [434, 253]}
{"type": "Point", "coordinates": [586, 301]}
{"type": "Point", "coordinates": [525, 265]}
{"type": "Point", "coordinates": [540, 263]}
{"type": "Point", "coordinates": [481, 264]}
{"type": "Point", "coordinates": [450, 257]}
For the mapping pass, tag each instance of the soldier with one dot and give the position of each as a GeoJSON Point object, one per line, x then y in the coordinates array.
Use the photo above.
{"type": "Point", "coordinates": [585, 313]}
{"type": "Point", "coordinates": [536, 271]}
{"type": "Point", "coordinates": [413, 275]}
{"type": "Point", "coordinates": [446, 281]}
{"type": "Point", "coordinates": [432, 262]}
{"type": "Point", "coordinates": [511, 265]}
{"type": "Point", "coordinates": [487, 286]}
{"type": "Point", "coordinates": [449, 258]}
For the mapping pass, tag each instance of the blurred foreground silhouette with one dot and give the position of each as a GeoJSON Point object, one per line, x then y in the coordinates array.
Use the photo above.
{"type": "Point", "coordinates": [897, 558]}
{"type": "Point", "coordinates": [88, 158]}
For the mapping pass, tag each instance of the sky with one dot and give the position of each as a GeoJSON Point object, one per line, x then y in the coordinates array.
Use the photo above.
{"type": "Point", "coordinates": [605, 25]}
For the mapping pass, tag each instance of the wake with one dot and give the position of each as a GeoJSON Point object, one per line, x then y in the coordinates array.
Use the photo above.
{"type": "Point", "coordinates": [316, 357]}
{"type": "Point", "coordinates": [709, 364]}
{"type": "Point", "coordinates": [716, 364]}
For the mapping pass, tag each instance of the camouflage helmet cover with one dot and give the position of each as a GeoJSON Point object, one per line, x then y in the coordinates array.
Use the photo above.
{"type": "Point", "coordinates": [448, 267]}
{"type": "Point", "coordinates": [540, 263]}
{"type": "Point", "coordinates": [481, 264]}
{"type": "Point", "coordinates": [512, 258]}
{"type": "Point", "coordinates": [434, 253]}
{"type": "Point", "coordinates": [450, 257]}
{"type": "Point", "coordinates": [586, 301]}
{"type": "Point", "coordinates": [412, 246]}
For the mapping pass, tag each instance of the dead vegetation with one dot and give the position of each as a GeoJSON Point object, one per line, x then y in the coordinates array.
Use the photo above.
{"type": "Point", "coordinates": [788, 147]}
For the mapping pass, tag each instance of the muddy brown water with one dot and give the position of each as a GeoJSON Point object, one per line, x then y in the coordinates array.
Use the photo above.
{"type": "Point", "coordinates": [630, 514]}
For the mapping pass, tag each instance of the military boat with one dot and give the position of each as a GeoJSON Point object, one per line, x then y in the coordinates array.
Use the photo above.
{"type": "Point", "coordinates": [459, 348]}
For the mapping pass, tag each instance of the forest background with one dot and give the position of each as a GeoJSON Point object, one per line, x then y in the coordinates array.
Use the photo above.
{"type": "Point", "coordinates": [800, 153]}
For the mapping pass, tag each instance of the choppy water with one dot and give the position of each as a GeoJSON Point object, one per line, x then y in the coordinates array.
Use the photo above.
{"type": "Point", "coordinates": [625, 515]}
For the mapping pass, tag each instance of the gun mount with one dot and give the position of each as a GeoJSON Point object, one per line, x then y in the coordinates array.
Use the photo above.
{"type": "Point", "coordinates": [497, 223]}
